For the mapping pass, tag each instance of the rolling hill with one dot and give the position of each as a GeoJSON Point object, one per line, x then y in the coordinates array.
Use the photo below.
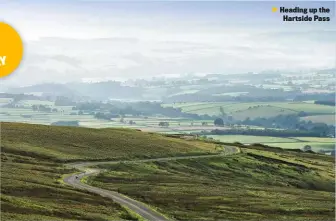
{"type": "Point", "coordinates": [259, 182]}
{"type": "Point", "coordinates": [32, 168]}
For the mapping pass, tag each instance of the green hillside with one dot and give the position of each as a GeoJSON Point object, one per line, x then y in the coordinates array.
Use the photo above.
{"type": "Point", "coordinates": [63, 144]}
{"type": "Point", "coordinates": [262, 183]}
{"type": "Point", "coordinates": [258, 183]}
{"type": "Point", "coordinates": [31, 190]}
{"type": "Point", "coordinates": [31, 168]}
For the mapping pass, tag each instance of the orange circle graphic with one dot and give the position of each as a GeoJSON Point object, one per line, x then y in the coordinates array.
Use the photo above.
{"type": "Point", "coordinates": [11, 50]}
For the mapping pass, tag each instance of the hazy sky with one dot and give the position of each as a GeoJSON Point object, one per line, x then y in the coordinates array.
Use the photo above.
{"type": "Point", "coordinates": [74, 40]}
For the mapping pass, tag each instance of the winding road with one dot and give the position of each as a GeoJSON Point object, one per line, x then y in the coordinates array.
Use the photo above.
{"type": "Point", "coordinates": [140, 208]}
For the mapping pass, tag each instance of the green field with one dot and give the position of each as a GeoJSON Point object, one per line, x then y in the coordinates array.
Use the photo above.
{"type": "Point", "coordinates": [233, 94]}
{"type": "Point", "coordinates": [261, 111]}
{"type": "Point", "coordinates": [5, 100]}
{"type": "Point", "coordinates": [27, 115]}
{"type": "Point", "coordinates": [277, 86]}
{"type": "Point", "coordinates": [327, 119]}
{"type": "Point", "coordinates": [260, 184]}
{"type": "Point", "coordinates": [317, 139]}
{"type": "Point", "coordinates": [316, 146]}
{"type": "Point", "coordinates": [246, 139]}
{"type": "Point", "coordinates": [317, 143]}
{"type": "Point", "coordinates": [253, 109]}
{"type": "Point", "coordinates": [184, 92]}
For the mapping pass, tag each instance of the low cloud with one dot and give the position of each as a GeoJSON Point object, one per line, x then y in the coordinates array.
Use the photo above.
{"type": "Point", "coordinates": [66, 44]}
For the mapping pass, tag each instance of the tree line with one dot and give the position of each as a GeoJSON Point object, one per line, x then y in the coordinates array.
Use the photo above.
{"type": "Point", "coordinates": [325, 102]}
{"type": "Point", "coordinates": [43, 108]}
{"type": "Point", "coordinates": [292, 122]}
{"type": "Point", "coordinates": [263, 132]}
{"type": "Point", "coordinates": [117, 109]}
{"type": "Point", "coordinates": [66, 123]}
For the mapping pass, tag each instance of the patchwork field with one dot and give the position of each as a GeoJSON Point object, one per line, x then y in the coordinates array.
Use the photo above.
{"type": "Point", "coordinates": [246, 139]}
{"type": "Point", "coordinates": [26, 115]}
{"type": "Point", "coordinates": [317, 143]}
{"type": "Point", "coordinates": [65, 113]}
{"type": "Point", "coordinates": [253, 109]}
{"type": "Point", "coordinates": [239, 111]}
{"type": "Point", "coordinates": [260, 184]}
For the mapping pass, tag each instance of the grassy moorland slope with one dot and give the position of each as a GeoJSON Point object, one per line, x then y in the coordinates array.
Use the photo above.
{"type": "Point", "coordinates": [30, 190]}
{"type": "Point", "coordinates": [31, 168]}
{"type": "Point", "coordinates": [261, 183]}
{"type": "Point", "coordinates": [63, 144]}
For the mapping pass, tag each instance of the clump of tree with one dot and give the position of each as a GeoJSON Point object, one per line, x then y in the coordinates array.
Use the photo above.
{"type": "Point", "coordinates": [13, 105]}
{"type": "Point", "coordinates": [325, 102]}
{"type": "Point", "coordinates": [164, 124]}
{"type": "Point", "coordinates": [138, 109]}
{"type": "Point", "coordinates": [66, 123]}
{"type": "Point", "coordinates": [19, 97]}
{"type": "Point", "coordinates": [317, 97]}
{"type": "Point", "coordinates": [219, 122]}
{"type": "Point", "coordinates": [26, 115]}
{"type": "Point", "coordinates": [221, 110]}
{"type": "Point", "coordinates": [64, 101]}
{"type": "Point", "coordinates": [307, 148]}
{"type": "Point", "coordinates": [105, 116]}
{"type": "Point", "coordinates": [43, 108]}
{"type": "Point", "coordinates": [292, 122]}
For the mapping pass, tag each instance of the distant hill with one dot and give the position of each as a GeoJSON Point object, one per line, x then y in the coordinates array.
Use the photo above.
{"type": "Point", "coordinates": [47, 88]}
{"type": "Point", "coordinates": [106, 90]}
{"type": "Point", "coordinates": [328, 71]}
{"type": "Point", "coordinates": [98, 91]}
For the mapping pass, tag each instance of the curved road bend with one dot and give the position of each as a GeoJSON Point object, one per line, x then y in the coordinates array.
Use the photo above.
{"type": "Point", "coordinates": [138, 207]}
